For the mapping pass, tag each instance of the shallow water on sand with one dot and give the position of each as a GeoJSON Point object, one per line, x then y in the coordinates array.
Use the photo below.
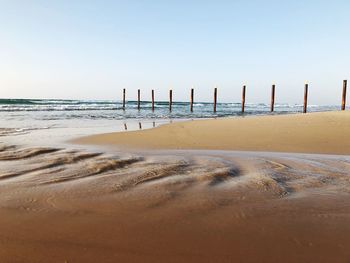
{"type": "Point", "coordinates": [78, 205]}
{"type": "Point", "coordinates": [279, 174]}
{"type": "Point", "coordinates": [57, 134]}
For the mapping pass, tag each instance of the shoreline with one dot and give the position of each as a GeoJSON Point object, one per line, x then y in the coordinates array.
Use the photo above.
{"type": "Point", "coordinates": [320, 133]}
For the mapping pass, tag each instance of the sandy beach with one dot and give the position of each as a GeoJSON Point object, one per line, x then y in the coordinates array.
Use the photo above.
{"type": "Point", "coordinates": [325, 132]}
{"type": "Point", "coordinates": [160, 205]}
{"type": "Point", "coordinates": [174, 132]}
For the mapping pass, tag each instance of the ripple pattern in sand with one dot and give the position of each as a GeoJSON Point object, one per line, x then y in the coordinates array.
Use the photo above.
{"type": "Point", "coordinates": [168, 176]}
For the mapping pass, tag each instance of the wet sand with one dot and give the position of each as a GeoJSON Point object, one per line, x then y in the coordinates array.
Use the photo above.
{"type": "Point", "coordinates": [65, 205]}
{"type": "Point", "coordinates": [326, 132]}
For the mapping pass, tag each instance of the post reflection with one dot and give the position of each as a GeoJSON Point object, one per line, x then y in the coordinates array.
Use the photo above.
{"type": "Point", "coordinates": [142, 125]}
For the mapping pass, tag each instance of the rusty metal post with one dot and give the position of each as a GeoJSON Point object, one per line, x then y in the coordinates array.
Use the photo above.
{"type": "Point", "coordinates": [215, 98]}
{"type": "Point", "coordinates": [243, 98]}
{"type": "Point", "coordinates": [306, 91]}
{"type": "Point", "coordinates": [192, 99]}
{"type": "Point", "coordinates": [124, 99]}
{"type": "Point", "coordinates": [138, 99]}
{"type": "Point", "coordinates": [273, 98]}
{"type": "Point", "coordinates": [343, 102]}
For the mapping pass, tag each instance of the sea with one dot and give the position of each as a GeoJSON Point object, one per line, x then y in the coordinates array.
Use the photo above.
{"type": "Point", "coordinates": [50, 120]}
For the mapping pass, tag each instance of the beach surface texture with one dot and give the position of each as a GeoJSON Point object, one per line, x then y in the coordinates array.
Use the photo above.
{"type": "Point", "coordinates": [121, 204]}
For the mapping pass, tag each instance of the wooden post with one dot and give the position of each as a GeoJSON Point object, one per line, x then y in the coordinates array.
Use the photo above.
{"type": "Point", "coordinates": [215, 98]}
{"type": "Point", "coordinates": [273, 98]}
{"type": "Point", "coordinates": [343, 102]}
{"type": "Point", "coordinates": [138, 99]}
{"type": "Point", "coordinates": [123, 99]}
{"type": "Point", "coordinates": [152, 100]}
{"type": "Point", "coordinates": [192, 99]}
{"type": "Point", "coordinates": [243, 98]}
{"type": "Point", "coordinates": [170, 99]}
{"type": "Point", "coordinates": [306, 90]}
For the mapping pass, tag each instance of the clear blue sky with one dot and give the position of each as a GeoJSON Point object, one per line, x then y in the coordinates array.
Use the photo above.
{"type": "Point", "coordinates": [93, 49]}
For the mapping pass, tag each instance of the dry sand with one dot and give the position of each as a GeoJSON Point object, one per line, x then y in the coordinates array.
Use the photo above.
{"type": "Point", "coordinates": [327, 132]}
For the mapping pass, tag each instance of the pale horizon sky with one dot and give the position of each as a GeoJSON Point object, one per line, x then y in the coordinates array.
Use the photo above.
{"type": "Point", "coordinates": [94, 49]}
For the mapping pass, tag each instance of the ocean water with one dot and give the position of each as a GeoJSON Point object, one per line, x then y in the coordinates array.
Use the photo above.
{"type": "Point", "coordinates": [72, 118]}
{"type": "Point", "coordinates": [105, 109]}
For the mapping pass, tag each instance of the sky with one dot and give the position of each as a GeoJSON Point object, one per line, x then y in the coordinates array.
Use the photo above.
{"type": "Point", "coordinates": [93, 49]}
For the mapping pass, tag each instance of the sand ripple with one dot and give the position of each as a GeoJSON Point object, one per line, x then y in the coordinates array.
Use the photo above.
{"type": "Point", "coordinates": [281, 176]}
{"type": "Point", "coordinates": [219, 206]}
